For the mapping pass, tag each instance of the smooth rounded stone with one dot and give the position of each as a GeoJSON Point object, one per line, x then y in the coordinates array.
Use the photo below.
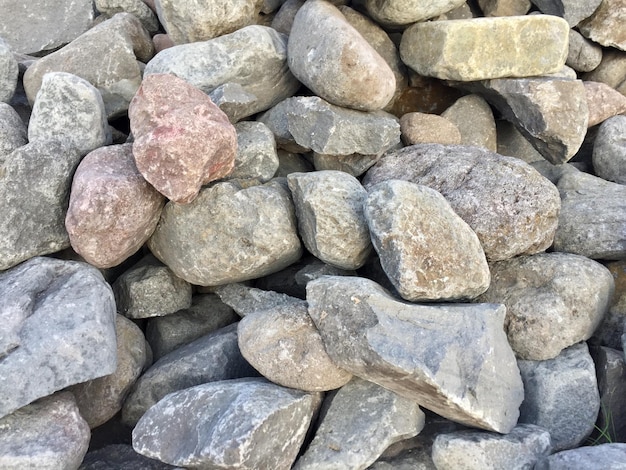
{"type": "Point", "coordinates": [35, 184]}
{"type": "Point", "coordinates": [283, 19]}
{"type": "Point", "coordinates": [573, 11]}
{"type": "Point", "coordinates": [13, 131]}
{"type": "Point", "coordinates": [605, 456]}
{"type": "Point", "coordinates": [247, 300]}
{"type": "Point", "coordinates": [583, 55]}
{"type": "Point", "coordinates": [561, 395]}
{"type": "Point", "coordinates": [112, 209]}
{"type": "Point", "coordinates": [121, 457]}
{"type": "Point", "coordinates": [504, 7]}
{"type": "Point", "coordinates": [610, 332]}
{"type": "Point", "coordinates": [354, 165]}
{"type": "Point", "coordinates": [462, 12]}
{"type": "Point", "coordinates": [58, 329]}
{"type": "Point", "coordinates": [427, 251]}
{"type": "Point", "coordinates": [228, 234]}
{"type": "Point", "coordinates": [612, 70]}
{"type": "Point", "coordinates": [283, 344]}
{"type": "Point", "coordinates": [609, 150]}
{"type": "Point", "coordinates": [553, 300]}
{"type": "Point", "coordinates": [210, 358]}
{"type": "Point", "coordinates": [182, 139]}
{"type": "Point", "coordinates": [404, 12]}
{"type": "Point", "coordinates": [606, 25]}
{"type": "Point", "coordinates": [473, 117]}
{"type": "Point", "coordinates": [120, 42]}
{"type": "Point", "coordinates": [517, 46]}
{"type": "Point", "coordinates": [452, 359]}
{"type": "Point", "coordinates": [254, 57]}
{"type": "Point", "coordinates": [422, 128]}
{"type": "Point", "coordinates": [592, 221]}
{"type": "Point", "coordinates": [206, 314]}
{"type": "Point", "coordinates": [512, 143]}
{"type": "Point", "coordinates": [329, 208]}
{"type": "Point", "coordinates": [256, 152]}
{"type": "Point", "coordinates": [495, 195]}
{"type": "Point", "coordinates": [47, 434]}
{"type": "Point", "coordinates": [244, 424]}
{"type": "Point", "coordinates": [150, 290]}
{"type": "Point", "coordinates": [161, 42]}
{"type": "Point", "coordinates": [100, 399]}
{"type": "Point", "coordinates": [8, 71]}
{"type": "Point", "coordinates": [611, 374]}
{"type": "Point", "coordinates": [139, 8]}
{"type": "Point", "coordinates": [603, 102]}
{"type": "Point", "coordinates": [33, 26]}
{"type": "Point", "coordinates": [188, 21]}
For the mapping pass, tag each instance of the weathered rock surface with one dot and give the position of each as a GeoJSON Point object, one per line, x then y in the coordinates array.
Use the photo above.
{"type": "Point", "coordinates": [9, 72]}
{"type": "Point", "coordinates": [609, 150]}
{"type": "Point", "coordinates": [403, 12]}
{"type": "Point", "coordinates": [612, 70]}
{"type": "Point", "coordinates": [473, 117]}
{"type": "Point", "coordinates": [422, 128]}
{"type": "Point", "coordinates": [247, 300]}
{"type": "Point", "coordinates": [611, 374]}
{"type": "Point", "coordinates": [504, 7]}
{"type": "Point", "coordinates": [121, 457]}
{"type": "Point", "coordinates": [610, 332]}
{"type": "Point", "coordinates": [112, 210]}
{"type": "Point", "coordinates": [583, 55]}
{"type": "Point", "coordinates": [252, 232]}
{"type": "Point", "coordinates": [247, 424]}
{"type": "Point", "coordinates": [571, 10]}
{"type": "Point", "coordinates": [452, 359]}
{"type": "Point", "coordinates": [605, 25]}
{"type": "Point", "coordinates": [512, 143]}
{"type": "Point", "coordinates": [381, 416]}
{"type": "Point", "coordinates": [428, 252]}
{"type": "Point", "coordinates": [58, 329]}
{"type": "Point", "coordinates": [139, 8]}
{"type": "Point", "coordinates": [182, 140]}
{"type": "Point", "coordinates": [497, 196]}
{"type": "Point", "coordinates": [256, 152]}
{"type": "Point", "coordinates": [603, 102]}
{"type": "Point", "coordinates": [13, 131]}
{"type": "Point", "coordinates": [607, 456]}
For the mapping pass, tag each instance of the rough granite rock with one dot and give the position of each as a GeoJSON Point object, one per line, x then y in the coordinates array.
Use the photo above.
{"type": "Point", "coordinates": [606, 25]}
{"type": "Point", "coordinates": [121, 457]}
{"type": "Point", "coordinates": [609, 150]}
{"type": "Point", "coordinates": [8, 72]}
{"type": "Point", "coordinates": [572, 11]}
{"type": "Point", "coordinates": [247, 300]}
{"type": "Point", "coordinates": [112, 210]}
{"type": "Point", "coordinates": [510, 206]}
{"type": "Point", "coordinates": [252, 233]}
{"type": "Point", "coordinates": [603, 102]}
{"type": "Point", "coordinates": [182, 139]}
{"type": "Point", "coordinates": [58, 329]}
{"type": "Point", "coordinates": [139, 8]}
{"type": "Point", "coordinates": [13, 131]}
{"type": "Point", "coordinates": [605, 456]}
{"type": "Point", "coordinates": [246, 424]}
{"type": "Point", "coordinates": [256, 152]}
{"type": "Point", "coordinates": [329, 208]}
{"type": "Point", "coordinates": [47, 434]}
{"type": "Point", "coordinates": [422, 128]}
{"type": "Point", "coordinates": [404, 12]}
{"type": "Point", "coordinates": [473, 117]}
{"type": "Point", "coordinates": [452, 359]}
{"type": "Point", "coordinates": [427, 251]}
{"type": "Point", "coordinates": [583, 55]}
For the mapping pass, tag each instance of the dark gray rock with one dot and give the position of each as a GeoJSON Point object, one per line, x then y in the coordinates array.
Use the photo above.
{"type": "Point", "coordinates": [121, 457]}
{"type": "Point", "coordinates": [13, 131]}
{"type": "Point", "coordinates": [277, 120]}
{"type": "Point", "coordinates": [609, 150]}
{"type": "Point", "coordinates": [246, 300]}
{"type": "Point", "coordinates": [572, 11]}
{"type": "Point", "coordinates": [355, 164]}
{"type": "Point", "coordinates": [611, 374]}
{"type": "Point", "coordinates": [605, 456]}
{"type": "Point", "coordinates": [583, 54]}
{"type": "Point", "coordinates": [9, 71]}
{"type": "Point", "coordinates": [256, 152]}
{"type": "Point", "coordinates": [513, 144]}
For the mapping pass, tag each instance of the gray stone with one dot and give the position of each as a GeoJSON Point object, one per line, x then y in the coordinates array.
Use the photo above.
{"type": "Point", "coordinates": [422, 128]}
{"type": "Point", "coordinates": [473, 117]}
{"type": "Point", "coordinates": [234, 101]}
{"type": "Point", "coordinates": [329, 208]}
{"type": "Point", "coordinates": [504, 7]}
{"type": "Point", "coordinates": [139, 8]}
{"type": "Point", "coordinates": [554, 172]}
{"type": "Point", "coordinates": [605, 456]}
{"type": "Point", "coordinates": [252, 233]}
{"type": "Point", "coordinates": [573, 11]}
{"type": "Point", "coordinates": [256, 152]}
{"type": "Point", "coordinates": [612, 70]}
{"type": "Point", "coordinates": [13, 131]}
{"type": "Point", "coordinates": [609, 150]}
{"type": "Point", "coordinates": [358, 423]}
{"type": "Point", "coordinates": [120, 42]}
{"type": "Point", "coordinates": [610, 332]}
{"type": "Point", "coordinates": [553, 300]}
{"type": "Point", "coordinates": [277, 120]}
{"type": "Point", "coordinates": [513, 144]}
{"type": "Point", "coordinates": [255, 57]}
{"type": "Point", "coordinates": [246, 300]}
{"type": "Point", "coordinates": [470, 450]}
{"type": "Point", "coordinates": [331, 58]}
{"type": "Point", "coordinates": [605, 24]}
{"type": "Point", "coordinates": [592, 221]}
{"type": "Point", "coordinates": [611, 375]}
{"type": "Point", "coordinates": [48, 434]}
{"type": "Point", "coordinates": [427, 251]}
{"type": "Point", "coordinates": [495, 195]}
{"type": "Point", "coordinates": [404, 12]}
{"type": "Point", "coordinates": [206, 314]}
{"type": "Point", "coordinates": [59, 329]}
{"type": "Point", "coordinates": [355, 164]}
{"type": "Point", "coordinates": [9, 72]}
{"type": "Point", "coordinates": [245, 424]}
{"type": "Point", "coordinates": [121, 457]}
{"type": "Point", "coordinates": [213, 357]}
{"type": "Point", "coordinates": [561, 395]}
{"type": "Point", "coordinates": [35, 184]}
{"type": "Point", "coordinates": [583, 55]}
{"type": "Point", "coordinates": [289, 162]}
{"type": "Point", "coordinates": [452, 359]}
{"type": "Point", "coordinates": [283, 19]}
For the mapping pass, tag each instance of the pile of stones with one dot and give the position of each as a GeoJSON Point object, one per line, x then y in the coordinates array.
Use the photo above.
{"type": "Point", "coordinates": [273, 234]}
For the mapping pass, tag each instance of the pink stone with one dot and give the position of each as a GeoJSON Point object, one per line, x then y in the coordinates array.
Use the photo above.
{"type": "Point", "coordinates": [603, 102]}
{"type": "Point", "coordinates": [182, 139]}
{"type": "Point", "coordinates": [162, 41]}
{"type": "Point", "coordinates": [113, 210]}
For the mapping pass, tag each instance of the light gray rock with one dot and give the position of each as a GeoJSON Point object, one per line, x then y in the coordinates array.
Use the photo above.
{"type": "Point", "coordinates": [452, 359]}
{"type": "Point", "coordinates": [254, 57]}
{"type": "Point", "coordinates": [9, 71]}
{"type": "Point", "coordinates": [583, 55]}
{"type": "Point", "coordinates": [610, 332]}
{"type": "Point", "coordinates": [495, 195]}
{"type": "Point", "coordinates": [233, 100]}
{"type": "Point", "coordinates": [473, 118]}
{"type": "Point", "coordinates": [609, 150]}
{"type": "Point", "coordinates": [277, 120]}
{"type": "Point", "coordinates": [35, 182]}
{"type": "Point", "coordinates": [283, 19]}
{"type": "Point", "coordinates": [357, 424]}
{"type": "Point", "coordinates": [553, 300]}
{"type": "Point", "coordinates": [48, 434]}
{"type": "Point", "coordinates": [246, 424]}
{"type": "Point", "coordinates": [139, 8]}
{"type": "Point", "coordinates": [213, 357]}
{"type": "Point", "coordinates": [403, 12]}
{"type": "Point", "coordinates": [329, 208]}
{"type": "Point", "coordinates": [572, 11]}
{"type": "Point", "coordinates": [252, 233]}
{"type": "Point", "coordinates": [13, 131]}
{"type": "Point", "coordinates": [427, 251]}
{"type": "Point", "coordinates": [246, 300]}
{"type": "Point", "coordinates": [592, 221]}
{"type": "Point", "coordinates": [603, 102]}
{"type": "Point", "coordinates": [256, 152]}
{"type": "Point", "coordinates": [611, 375]}
{"type": "Point", "coordinates": [561, 395]}
{"type": "Point", "coordinates": [605, 456]}
{"type": "Point", "coordinates": [121, 457]}
{"type": "Point", "coordinates": [59, 329]}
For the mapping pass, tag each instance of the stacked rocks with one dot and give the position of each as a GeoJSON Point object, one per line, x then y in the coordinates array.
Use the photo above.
{"type": "Point", "coordinates": [308, 234]}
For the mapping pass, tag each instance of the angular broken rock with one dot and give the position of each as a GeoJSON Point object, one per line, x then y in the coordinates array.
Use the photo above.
{"type": "Point", "coordinates": [603, 102]}
{"type": "Point", "coordinates": [609, 150]}
{"type": "Point", "coordinates": [228, 234]}
{"type": "Point", "coordinates": [112, 210]}
{"type": "Point", "coordinates": [403, 12]}
{"type": "Point", "coordinates": [246, 423]}
{"type": "Point", "coordinates": [606, 25]}
{"type": "Point", "coordinates": [428, 252]}
{"type": "Point", "coordinates": [422, 128]}
{"type": "Point", "coordinates": [497, 196]}
{"type": "Point", "coordinates": [182, 140]}
{"type": "Point", "coordinates": [8, 72]}
{"type": "Point", "coordinates": [518, 46]}
{"type": "Point", "coordinates": [256, 152]}
{"type": "Point", "coordinates": [452, 359]}
{"type": "Point", "coordinates": [58, 329]}
{"type": "Point", "coordinates": [247, 300]}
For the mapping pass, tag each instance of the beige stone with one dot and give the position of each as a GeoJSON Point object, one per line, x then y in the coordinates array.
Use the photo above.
{"type": "Point", "coordinates": [422, 128]}
{"type": "Point", "coordinates": [473, 118]}
{"type": "Point", "coordinates": [403, 12]}
{"type": "Point", "coordinates": [612, 70]}
{"type": "Point", "coordinates": [606, 25]}
{"type": "Point", "coordinates": [603, 102]}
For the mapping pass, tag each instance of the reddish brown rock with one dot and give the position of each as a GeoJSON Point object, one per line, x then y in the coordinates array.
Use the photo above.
{"type": "Point", "coordinates": [603, 102]}
{"type": "Point", "coordinates": [161, 42]}
{"type": "Point", "coordinates": [112, 210]}
{"type": "Point", "coordinates": [182, 139]}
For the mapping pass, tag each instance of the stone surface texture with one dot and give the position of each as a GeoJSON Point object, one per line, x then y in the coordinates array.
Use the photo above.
{"type": "Point", "coordinates": [504, 7]}
{"type": "Point", "coordinates": [138, 8]}
{"type": "Point", "coordinates": [605, 25]}
{"type": "Point", "coordinates": [423, 128]}
{"type": "Point", "coordinates": [583, 55]}
{"type": "Point", "coordinates": [607, 456]}
{"type": "Point", "coordinates": [121, 457]}
{"type": "Point", "coordinates": [611, 375]}
{"type": "Point", "coordinates": [473, 118]}
{"type": "Point", "coordinates": [9, 72]}
{"type": "Point", "coordinates": [256, 152]}
{"type": "Point", "coordinates": [609, 150]}
{"type": "Point", "coordinates": [603, 102]}
{"type": "Point", "coordinates": [403, 12]}
{"type": "Point", "coordinates": [13, 132]}
{"type": "Point", "coordinates": [571, 10]}
{"type": "Point", "coordinates": [612, 70]}
{"type": "Point", "coordinates": [610, 332]}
